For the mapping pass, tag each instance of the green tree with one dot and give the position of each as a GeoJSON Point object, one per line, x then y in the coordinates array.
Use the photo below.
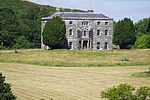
{"type": "Point", "coordinates": [21, 42]}
{"type": "Point", "coordinates": [5, 90]}
{"type": "Point", "coordinates": [54, 33]}
{"type": "Point", "coordinates": [124, 33]}
{"type": "Point", "coordinates": [8, 26]}
{"type": "Point", "coordinates": [142, 42]}
{"type": "Point", "coordinates": [142, 27]}
{"type": "Point", "coordinates": [148, 26]}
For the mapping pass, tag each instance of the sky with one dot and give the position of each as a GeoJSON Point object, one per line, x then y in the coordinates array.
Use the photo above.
{"type": "Point", "coordinates": [116, 9]}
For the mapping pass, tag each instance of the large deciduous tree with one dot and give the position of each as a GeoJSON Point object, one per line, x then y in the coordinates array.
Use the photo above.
{"type": "Point", "coordinates": [5, 90]}
{"type": "Point", "coordinates": [142, 42]}
{"type": "Point", "coordinates": [142, 27]}
{"type": "Point", "coordinates": [124, 33]}
{"type": "Point", "coordinates": [142, 34]}
{"type": "Point", "coordinates": [54, 33]}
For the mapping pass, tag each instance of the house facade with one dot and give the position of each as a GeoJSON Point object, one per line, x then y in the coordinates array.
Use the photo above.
{"type": "Point", "coordinates": [85, 30]}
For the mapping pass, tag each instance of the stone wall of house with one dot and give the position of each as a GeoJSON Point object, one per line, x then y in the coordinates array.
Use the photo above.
{"type": "Point", "coordinates": [89, 34]}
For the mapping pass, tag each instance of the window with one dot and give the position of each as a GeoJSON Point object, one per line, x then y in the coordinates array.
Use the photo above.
{"type": "Point", "coordinates": [70, 45]}
{"type": "Point", "coordinates": [84, 33]}
{"type": "Point", "coordinates": [106, 32]}
{"type": "Point", "coordinates": [98, 45]}
{"type": "Point", "coordinates": [98, 32]}
{"type": "Point", "coordinates": [106, 23]}
{"type": "Point", "coordinates": [70, 32]}
{"type": "Point", "coordinates": [98, 23]}
{"type": "Point", "coordinates": [84, 23]}
{"type": "Point", "coordinates": [70, 22]}
{"type": "Point", "coordinates": [106, 45]}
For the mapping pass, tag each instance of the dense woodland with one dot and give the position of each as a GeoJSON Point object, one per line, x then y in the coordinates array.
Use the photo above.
{"type": "Point", "coordinates": [20, 24]}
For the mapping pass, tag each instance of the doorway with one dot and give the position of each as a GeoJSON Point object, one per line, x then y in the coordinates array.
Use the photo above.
{"type": "Point", "coordinates": [85, 45]}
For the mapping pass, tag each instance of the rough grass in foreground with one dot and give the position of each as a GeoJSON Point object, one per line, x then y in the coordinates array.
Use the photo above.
{"type": "Point", "coordinates": [145, 74]}
{"type": "Point", "coordinates": [65, 58]}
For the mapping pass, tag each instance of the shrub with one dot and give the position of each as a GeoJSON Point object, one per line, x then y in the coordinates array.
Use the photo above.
{"type": "Point", "coordinates": [143, 93]}
{"type": "Point", "coordinates": [126, 92]}
{"type": "Point", "coordinates": [121, 92]}
{"type": "Point", "coordinates": [125, 59]}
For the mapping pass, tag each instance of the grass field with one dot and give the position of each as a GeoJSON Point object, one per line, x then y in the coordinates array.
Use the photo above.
{"type": "Point", "coordinates": [31, 82]}
{"type": "Point", "coordinates": [71, 75]}
{"type": "Point", "coordinates": [65, 58]}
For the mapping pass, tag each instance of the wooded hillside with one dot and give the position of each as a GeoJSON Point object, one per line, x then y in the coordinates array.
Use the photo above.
{"type": "Point", "coordinates": [20, 23]}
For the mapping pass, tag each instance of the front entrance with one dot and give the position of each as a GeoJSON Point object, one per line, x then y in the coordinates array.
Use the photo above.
{"type": "Point", "coordinates": [85, 45]}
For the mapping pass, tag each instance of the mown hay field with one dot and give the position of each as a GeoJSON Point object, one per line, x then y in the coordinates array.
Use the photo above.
{"type": "Point", "coordinates": [71, 75]}
{"type": "Point", "coordinates": [31, 82]}
{"type": "Point", "coordinates": [65, 58]}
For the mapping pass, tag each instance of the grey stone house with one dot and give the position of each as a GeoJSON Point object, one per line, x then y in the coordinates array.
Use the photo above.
{"type": "Point", "coordinates": [85, 30]}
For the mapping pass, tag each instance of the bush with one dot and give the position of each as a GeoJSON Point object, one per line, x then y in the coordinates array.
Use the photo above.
{"type": "Point", "coordinates": [125, 59]}
{"type": "Point", "coordinates": [5, 90]}
{"type": "Point", "coordinates": [143, 93]}
{"type": "Point", "coordinates": [126, 92]}
{"type": "Point", "coordinates": [121, 92]}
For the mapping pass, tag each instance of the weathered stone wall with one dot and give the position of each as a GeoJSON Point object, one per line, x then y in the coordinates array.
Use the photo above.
{"type": "Point", "coordinates": [90, 25]}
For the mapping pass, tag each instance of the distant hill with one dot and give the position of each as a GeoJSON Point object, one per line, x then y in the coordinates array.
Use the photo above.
{"type": "Point", "coordinates": [20, 21]}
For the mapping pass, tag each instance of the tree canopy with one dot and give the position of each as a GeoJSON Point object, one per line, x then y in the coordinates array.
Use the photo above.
{"type": "Point", "coordinates": [142, 27]}
{"type": "Point", "coordinates": [21, 18]}
{"type": "Point", "coordinates": [54, 33]}
{"type": "Point", "coordinates": [142, 34]}
{"type": "Point", "coordinates": [5, 90]}
{"type": "Point", "coordinates": [124, 33]}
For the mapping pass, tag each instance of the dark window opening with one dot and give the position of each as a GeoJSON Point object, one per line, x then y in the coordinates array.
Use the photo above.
{"type": "Point", "coordinates": [98, 23]}
{"type": "Point", "coordinates": [70, 32]}
{"type": "Point", "coordinates": [70, 22]}
{"type": "Point", "coordinates": [84, 33]}
{"type": "Point", "coordinates": [106, 23]}
{"type": "Point", "coordinates": [106, 45]}
{"type": "Point", "coordinates": [85, 23]}
{"type": "Point", "coordinates": [106, 32]}
{"type": "Point", "coordinates": [98, 45]}
{"type": "Point", "coordinates": [70, 45]}
{"type": "Point", "coordinates": [98, 32]}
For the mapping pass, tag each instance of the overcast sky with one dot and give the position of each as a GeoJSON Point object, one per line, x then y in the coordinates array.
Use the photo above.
{"type": "Point", "coordinates": [116, 9]}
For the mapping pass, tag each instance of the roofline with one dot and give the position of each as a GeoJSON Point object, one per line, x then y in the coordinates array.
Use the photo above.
{"type": "Point", "coordinates": [80, 19]}
{"type": "Point", "coordinates": [77, 18]}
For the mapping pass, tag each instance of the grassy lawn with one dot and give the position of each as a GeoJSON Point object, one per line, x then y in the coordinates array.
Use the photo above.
{"type": "Point", "coordinates": [72, 75]}
{"type": "Point", "coordinates": [65, 58]}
